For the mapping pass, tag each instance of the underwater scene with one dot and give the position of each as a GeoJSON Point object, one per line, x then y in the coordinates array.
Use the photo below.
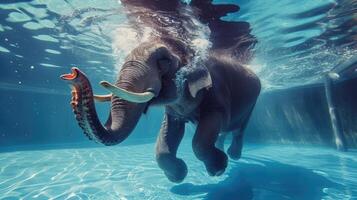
{"type": "Point", "coordinates": [178, 99]}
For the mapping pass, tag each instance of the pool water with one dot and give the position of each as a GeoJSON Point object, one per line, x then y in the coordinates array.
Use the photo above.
{"type": "Point", "coordinates": [269, 172]}
{"type": "Point", "coordinates": [44, 155]}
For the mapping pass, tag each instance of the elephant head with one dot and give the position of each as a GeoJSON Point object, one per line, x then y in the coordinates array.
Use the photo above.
{"type": "Point", "coordinates": [147, 76]}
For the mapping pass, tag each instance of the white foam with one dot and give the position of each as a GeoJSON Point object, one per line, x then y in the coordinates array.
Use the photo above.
{"type": "Point", "coordinates": [125, 39]}
{"type": "Point", "coordinates": [200, 42]}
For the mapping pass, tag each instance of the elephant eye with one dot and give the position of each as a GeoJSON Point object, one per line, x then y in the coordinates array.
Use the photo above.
{"type": "Point", "coordinates": [164, 65]}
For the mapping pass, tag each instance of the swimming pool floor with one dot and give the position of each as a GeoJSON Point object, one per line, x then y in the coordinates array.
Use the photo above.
{"type": "Point", "coordinates": [130, 172]}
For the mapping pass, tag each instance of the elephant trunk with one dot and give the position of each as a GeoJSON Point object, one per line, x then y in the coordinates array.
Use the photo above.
{"type": "Point", "coordinates": [123, 116]}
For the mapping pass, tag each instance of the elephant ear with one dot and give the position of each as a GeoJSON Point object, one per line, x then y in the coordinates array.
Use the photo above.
{"type": "Point", "coordinates": [198, 79]}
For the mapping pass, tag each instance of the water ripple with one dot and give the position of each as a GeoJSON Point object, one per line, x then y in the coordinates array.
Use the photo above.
{"type": "Point", "coordinates": [299, 41]}
{"type": "Point", "coordinates": [302, 41]}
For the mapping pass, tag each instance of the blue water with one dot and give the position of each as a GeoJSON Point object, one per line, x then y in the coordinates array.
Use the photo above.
{"type": "Point", "coordinates": [129, 172]}
{"type": "Point", "coordinates": [44, 155]}
{"type": "Point", "coordinates": [298, 41]}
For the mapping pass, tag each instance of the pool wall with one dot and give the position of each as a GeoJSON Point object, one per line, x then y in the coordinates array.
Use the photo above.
{"type": "Point", "coordinates": [290, 116]}
{"type": "Point", "coordinates": [300, 115]}
{"type": "Point", "coordinates": [38, 118]}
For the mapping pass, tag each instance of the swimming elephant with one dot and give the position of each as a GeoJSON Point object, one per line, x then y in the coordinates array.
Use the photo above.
{"type": "Point", "coordinates": [218, 94]}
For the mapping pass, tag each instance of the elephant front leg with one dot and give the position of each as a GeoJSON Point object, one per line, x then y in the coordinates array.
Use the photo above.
{"type": "Point", "coordinates": [220, 141]}
{"type": "Point", "coordinates": [203, 144]}
{"type": "Point", "coordinates": [171, 133]}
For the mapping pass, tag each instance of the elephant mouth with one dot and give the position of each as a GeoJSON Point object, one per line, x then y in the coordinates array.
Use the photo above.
{"type": "Point", "coordinates": [73, 75]}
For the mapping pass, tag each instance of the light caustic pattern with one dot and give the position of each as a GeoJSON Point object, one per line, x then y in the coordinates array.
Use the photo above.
{"type": "Point", "coordinates": [130, 172]}
{"type": "Point", "coordinates": [298, 41]}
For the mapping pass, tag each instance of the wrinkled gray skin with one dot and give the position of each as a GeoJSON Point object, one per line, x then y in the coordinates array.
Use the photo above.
{"type": "Point", "coordinates": [218, 100]}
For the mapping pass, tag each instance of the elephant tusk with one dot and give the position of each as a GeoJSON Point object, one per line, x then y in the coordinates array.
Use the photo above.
{"type": "Point", "coordinates": [102, 98]}
{"type": "Point", "coordinates": [126, 95]}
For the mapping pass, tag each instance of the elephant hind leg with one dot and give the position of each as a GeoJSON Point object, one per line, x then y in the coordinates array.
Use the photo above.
{"type": "Point", "coordinates": [235, 149]}
{"type": "Point", "coordinates": [169, 139]}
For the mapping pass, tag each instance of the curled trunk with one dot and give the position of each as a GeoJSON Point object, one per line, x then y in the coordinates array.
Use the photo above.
{"type": "Point", "coordinates": [123, 116]}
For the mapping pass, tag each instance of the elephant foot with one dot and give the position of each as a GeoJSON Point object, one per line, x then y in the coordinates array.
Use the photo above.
{"type": "Point", "coordinates": [175, 169]}
{"type": "Point", "coordinates": [217, 163]}
{"type": "Point", "coordinates": [234, 152]}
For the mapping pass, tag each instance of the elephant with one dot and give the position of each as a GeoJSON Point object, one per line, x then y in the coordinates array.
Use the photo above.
{"type": "Point", "coordinates": [217, 94]}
